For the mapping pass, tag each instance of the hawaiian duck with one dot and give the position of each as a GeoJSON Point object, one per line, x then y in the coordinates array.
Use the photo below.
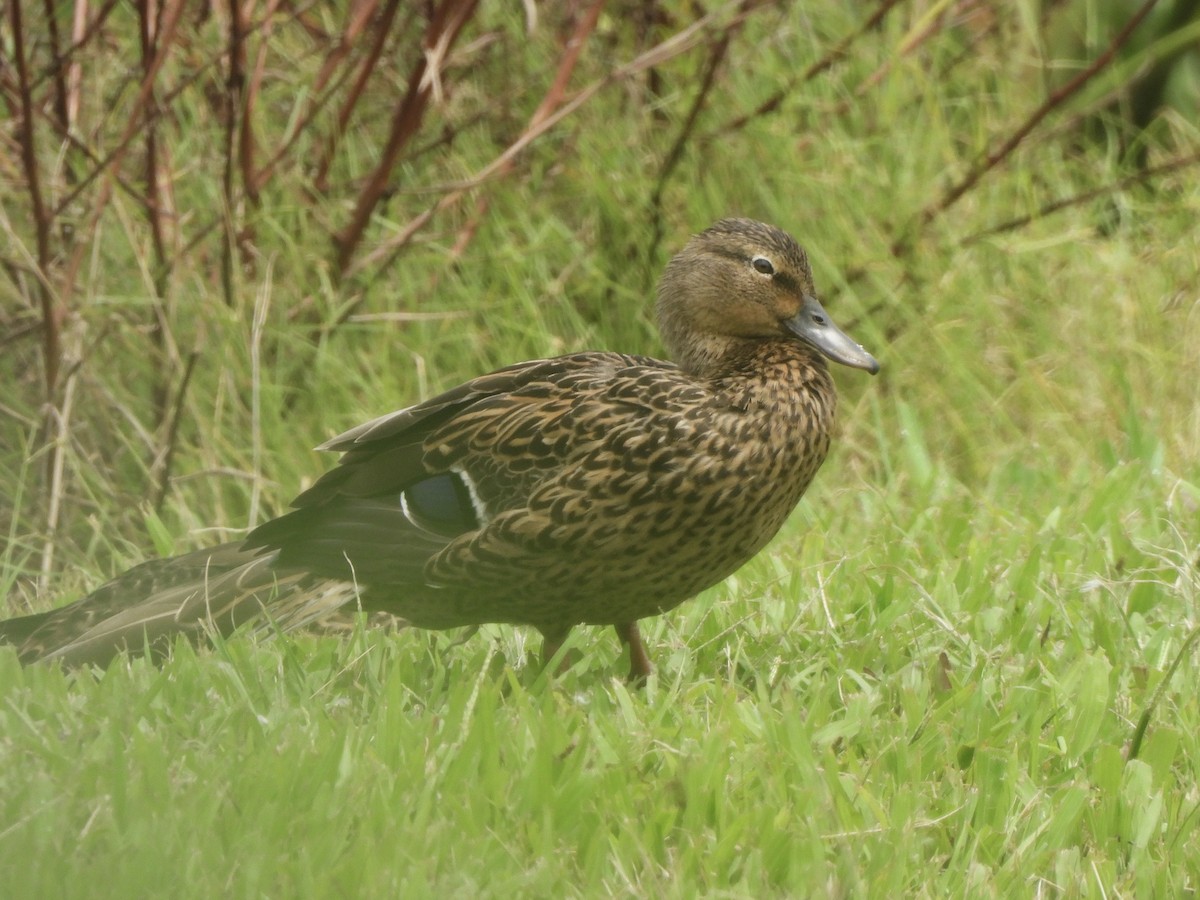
{"type": "Point", "coordinates": [595, 488]}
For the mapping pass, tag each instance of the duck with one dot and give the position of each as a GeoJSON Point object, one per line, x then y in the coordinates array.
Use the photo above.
{"type": "Point", "coordinates": [594, 488]}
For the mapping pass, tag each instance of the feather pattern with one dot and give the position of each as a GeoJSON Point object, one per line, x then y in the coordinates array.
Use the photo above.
{"type": "Point", "coordinates": [593, 488]}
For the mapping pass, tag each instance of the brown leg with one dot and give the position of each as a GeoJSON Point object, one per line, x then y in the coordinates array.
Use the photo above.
{"type": "Point", "coordinates": [552, 642]}
{"type": "Point", "coordinates": [639, 661]}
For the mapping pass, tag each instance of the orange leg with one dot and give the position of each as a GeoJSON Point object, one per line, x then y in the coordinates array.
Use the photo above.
{"type": "Point", "coordinates": [639, 661]}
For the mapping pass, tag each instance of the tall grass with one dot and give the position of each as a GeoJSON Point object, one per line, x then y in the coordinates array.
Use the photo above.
{"type": "Point", "coordinates": [932, 683]}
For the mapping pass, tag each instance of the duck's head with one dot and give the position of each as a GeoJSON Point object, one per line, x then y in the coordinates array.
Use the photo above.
{"type": "Point", "coordinates": [739, 283]}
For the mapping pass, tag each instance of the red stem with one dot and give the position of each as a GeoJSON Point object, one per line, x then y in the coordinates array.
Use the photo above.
{"type": "Point", "coordinates": [444, 28]}
{"type": "Point", "coordinates": [53, 313]}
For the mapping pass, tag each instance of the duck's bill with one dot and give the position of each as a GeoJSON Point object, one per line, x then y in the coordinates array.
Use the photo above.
{"type": "Point", "coordinates": [812, 324]}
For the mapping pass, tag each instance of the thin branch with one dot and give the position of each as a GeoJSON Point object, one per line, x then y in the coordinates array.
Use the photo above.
{"type": "Point", "coordinates": [162, 477]}
{"type": "Point", "coordinates": [1171, 165]}
{"type": "Point", "coordinates": [105, 165]}
{"type": "Point", "coordinates": [360, 16]}
{"type": "Point", "coordinates": [315, 107]}
{"type": "Point", "coordinates": [325, 87]}
{"type": "Point", "coordinates": [424, 83]}
{"type": "Point", "coordinates": [247, 146]}
{"type": "Point", "coordinates": [826, 62]}
{"type": "Point", "coordinates": [553, 98]}
{"type": "Point", "coordinates": [151, 203]}
{"type": "Point", "coordinates": [235, 84]}
{"type": "Point", "coordinates": [80, 33]}
{"type": "Point", "coordinates": [679, 43]}
{"type": "Point", "coordinates": [382, 29]}
{"type": "Point", "coordinates": [1056, 99]}
{"type": "Point", "coordinates": [167, 29]}
{"type": "Point", "coordinates": [53, 310]}
{"type": "Point", "coordinates": [57, 73]}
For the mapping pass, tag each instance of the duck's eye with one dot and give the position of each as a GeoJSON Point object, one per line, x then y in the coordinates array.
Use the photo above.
{"type": "Point", "coordinates": [762, 265]}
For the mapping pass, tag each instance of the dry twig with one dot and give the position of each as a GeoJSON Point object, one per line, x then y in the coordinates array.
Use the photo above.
{"type": "Point", "coordinates": [677, 44]}
{"type": "Point", "coordinates": [53, 309]}
{"type": "Point", "coordinates": [445, 25]}
{"type": "Point", "coordinates": [993, 158]}
{"type": "Point", "coordinates": [554, 97]}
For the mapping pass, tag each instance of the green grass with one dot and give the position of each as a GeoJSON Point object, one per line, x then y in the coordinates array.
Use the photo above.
{"type": "Point", "coordinates": [929, 684]}
{"type": "Point", "coordinates": [943, 707]}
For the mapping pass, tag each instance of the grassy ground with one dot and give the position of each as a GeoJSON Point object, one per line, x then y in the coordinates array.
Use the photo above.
{"type": "Point", "coordinates": [933, 683]}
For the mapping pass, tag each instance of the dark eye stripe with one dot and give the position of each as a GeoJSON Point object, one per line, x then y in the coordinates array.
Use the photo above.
{"type": "Point", "coordinates": [786, 281]}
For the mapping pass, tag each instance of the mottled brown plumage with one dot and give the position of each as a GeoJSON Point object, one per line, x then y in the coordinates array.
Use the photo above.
{"type": "Point", "coordinates": [595, 488]}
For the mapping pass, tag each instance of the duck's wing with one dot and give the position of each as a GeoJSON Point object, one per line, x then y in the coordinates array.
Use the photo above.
{"type": "Point", "coordinates": [411, 482]}
{"type": "Point", "coordinates": [621, 464]}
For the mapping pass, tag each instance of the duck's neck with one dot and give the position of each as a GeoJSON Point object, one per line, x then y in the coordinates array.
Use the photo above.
{"type": "Point", "coordinates": [723, 358]}
{"type": "Point", "coordinates": [779, 377]}
{"type": "Point", "coordinates": [708, 357]}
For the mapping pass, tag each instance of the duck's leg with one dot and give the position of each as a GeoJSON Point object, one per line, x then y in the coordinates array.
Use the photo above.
{"type": "Point", "coordinates": [552, 641]}
{"type": "Point", "coordinates": [639, 660]}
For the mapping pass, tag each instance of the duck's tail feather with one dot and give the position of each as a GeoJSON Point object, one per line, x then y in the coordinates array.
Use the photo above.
{"type": "Point", "coordinates": [198, 595]}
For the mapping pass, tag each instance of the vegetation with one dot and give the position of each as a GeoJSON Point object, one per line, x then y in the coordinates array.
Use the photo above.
{"type": "Point", "coordinates": [967, 666]}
